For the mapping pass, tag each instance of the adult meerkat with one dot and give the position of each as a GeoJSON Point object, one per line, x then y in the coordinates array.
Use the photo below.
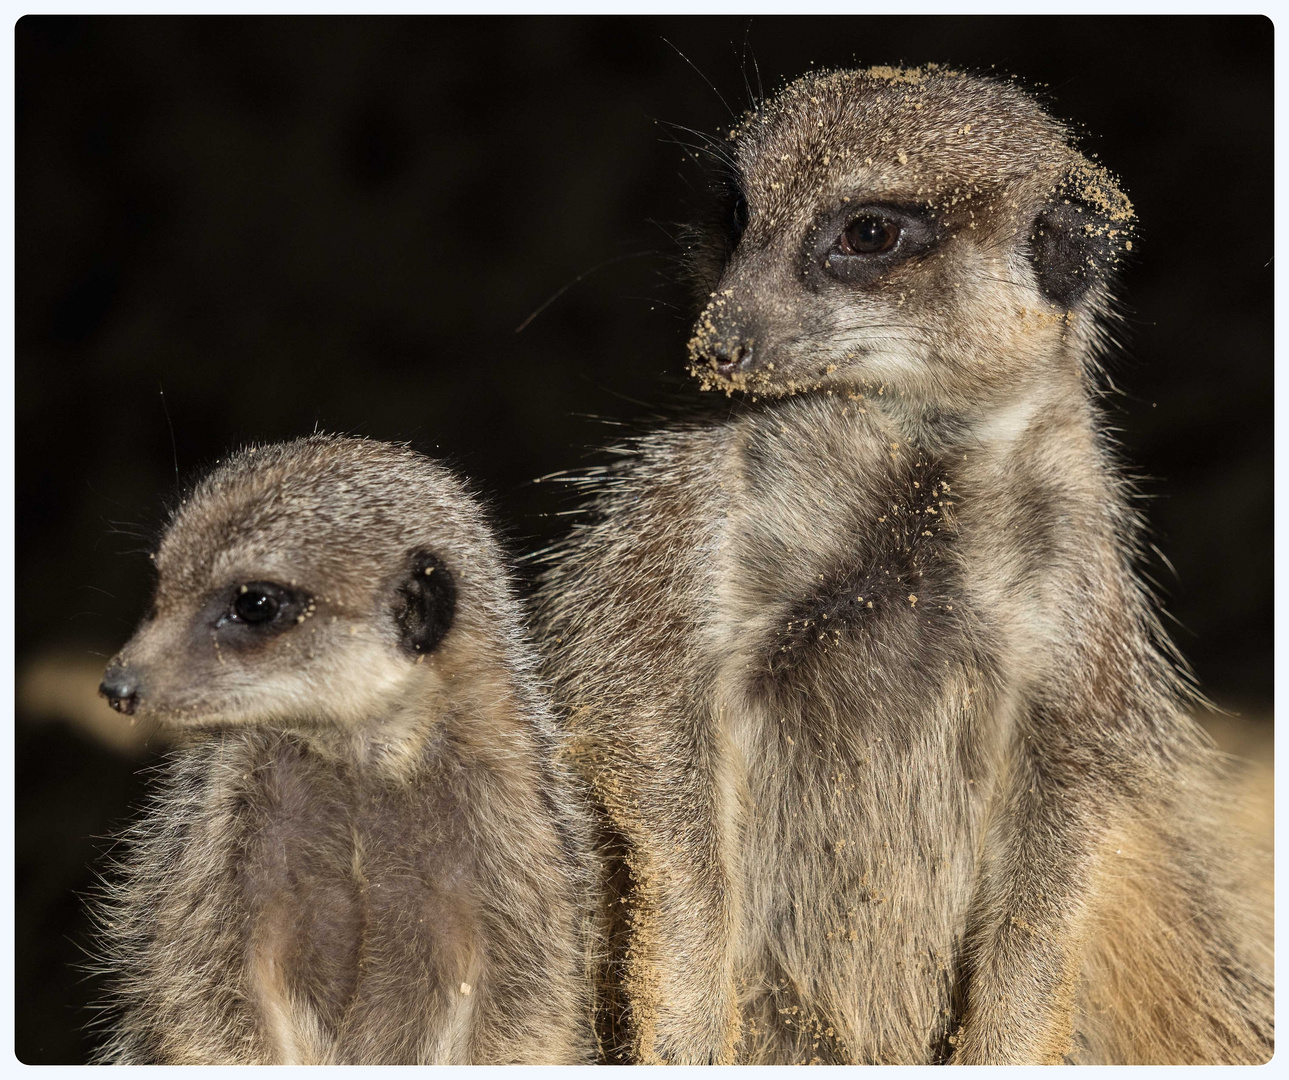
{"type": "Point", "coordinates": [367, 850]}
{"type": "Point", "coordinates": [893, 747]}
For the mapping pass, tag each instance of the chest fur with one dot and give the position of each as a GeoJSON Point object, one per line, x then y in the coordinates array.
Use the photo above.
{"type": "Point", "coordinates": [859, 688]}
{"type": "Point", "coordinates": [349, 889]}
{"type": "Point", "coordinates": [845, 599]}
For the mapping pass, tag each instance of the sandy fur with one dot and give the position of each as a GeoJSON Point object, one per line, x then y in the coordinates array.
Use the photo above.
{"type": "Point", "coordinates": [863, 676]}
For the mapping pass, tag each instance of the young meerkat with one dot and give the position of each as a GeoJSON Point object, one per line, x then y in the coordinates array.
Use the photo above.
{"type": "Point", "coordinates": [367, 849]}
{"type": "Point", "coordinates": [881, 721]}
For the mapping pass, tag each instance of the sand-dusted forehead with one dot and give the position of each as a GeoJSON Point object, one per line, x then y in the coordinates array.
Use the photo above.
{"type": "Point", "coordinates": [897, 133]}
{"type": "Point", "coordinates": [344, 510]}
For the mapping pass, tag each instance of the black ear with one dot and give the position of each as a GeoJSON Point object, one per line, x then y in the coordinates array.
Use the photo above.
{"type": "Point", "coordinates": [425, 603]}
{"type": "Point", "coordinates": [1073, 246]}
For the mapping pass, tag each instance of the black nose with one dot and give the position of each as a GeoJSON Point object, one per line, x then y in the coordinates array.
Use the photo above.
{"type": "Point", "coordinates": [728, 359]}
{"type": "Point", "coordinates": [120, 686]}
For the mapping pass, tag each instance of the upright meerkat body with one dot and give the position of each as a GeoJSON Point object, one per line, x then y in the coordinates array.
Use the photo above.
{"type": "Point", "coordinates": [878, 714]}
{"type": "Point", "coordinates": [367, 851]}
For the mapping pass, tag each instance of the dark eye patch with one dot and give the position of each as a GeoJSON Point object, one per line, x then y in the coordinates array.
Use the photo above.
{"type": "Point", "coordinates": [860, 242]}
{"type": "Point", "coordinates": [711, 241]}
{"type": "Point", "coordinates": [731, 202]}
{"type": "Point", "coordinates": [738, 214]}
{"type": "Point", "coordinates": [259, 608]}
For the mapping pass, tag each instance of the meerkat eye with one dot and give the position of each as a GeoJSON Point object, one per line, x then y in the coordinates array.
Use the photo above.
{"type": "Point", "coordinates": [255, 604]}
{"type": "Point", "coordinates": [869, 235]}
{"type": "Point", "coordinates": [257, 608]}
{"type": "Point", "coordinates": [861, 244]}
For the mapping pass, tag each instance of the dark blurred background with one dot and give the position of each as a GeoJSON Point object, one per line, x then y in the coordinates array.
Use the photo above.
{"type": "Point", "coordinates": [290, 223]}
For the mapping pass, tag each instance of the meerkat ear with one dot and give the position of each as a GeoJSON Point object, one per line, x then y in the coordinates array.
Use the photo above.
{"type": "Point", "coordinates": [425, 602]}
{"type": "Point", "coordinates": [1079, 237]}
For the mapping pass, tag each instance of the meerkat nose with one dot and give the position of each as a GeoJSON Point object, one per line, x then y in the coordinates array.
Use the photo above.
{"type": "Point", "coordinates": [120, 686]}
{"type": "Point", "coordinates": [728, 360]}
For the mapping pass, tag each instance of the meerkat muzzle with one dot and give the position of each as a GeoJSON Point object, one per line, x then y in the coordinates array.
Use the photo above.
{"type": "Point", "coordinates": [121, 687]}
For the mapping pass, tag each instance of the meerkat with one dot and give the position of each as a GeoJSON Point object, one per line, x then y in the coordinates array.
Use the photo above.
{"type": "Point", "coordinates": [881, 721]}
{"type": "Point", "coordinates": [367, 849]}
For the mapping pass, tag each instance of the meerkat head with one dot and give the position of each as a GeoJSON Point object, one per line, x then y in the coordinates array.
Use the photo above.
{"type": "Point", "coordinates": [318, 582]}
{"type": "Point", "coordinates": [923, 231]}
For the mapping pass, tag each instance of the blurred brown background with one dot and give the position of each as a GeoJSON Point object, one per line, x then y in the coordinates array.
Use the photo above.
{"type": "Point", "coordinates": [286, 223]}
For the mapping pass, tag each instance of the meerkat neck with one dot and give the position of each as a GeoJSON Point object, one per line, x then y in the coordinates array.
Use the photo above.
{"type": "Point", "coordinates": [394, 744]}
{"type": "Point", "coordinates": [994, 426]}
{"type": "Point", "coordinates": [484, 714]}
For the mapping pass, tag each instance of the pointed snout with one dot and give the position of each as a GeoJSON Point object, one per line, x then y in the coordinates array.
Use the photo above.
{"type": "Point", "coordinates": [122, 687]}
{"type": "Point", "coordinates": [723, 338]}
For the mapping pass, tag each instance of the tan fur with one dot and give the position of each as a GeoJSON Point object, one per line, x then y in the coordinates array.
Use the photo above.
{"type": "Point", "coordinates": [367, 848]}
{"type": "Point", "coordinates": [863, 676]}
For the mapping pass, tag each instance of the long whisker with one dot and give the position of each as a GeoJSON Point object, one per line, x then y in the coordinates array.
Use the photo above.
{"type": "Point", "coordinates": [747, 45]}
{"type": "Point", "coordinates": [692, 151]}
{"type": "Point", "coordinates": [705, 79]}
{"type": "Point", "coordinates": [707, 143]}
{"type": "Point", "coordinates": [582, 277]}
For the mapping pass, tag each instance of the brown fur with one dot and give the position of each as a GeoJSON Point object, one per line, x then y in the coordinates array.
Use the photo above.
{"type": "Point", "coordinates": [884, 729]}
{"type": "Point", "coordinates": [360, 854]}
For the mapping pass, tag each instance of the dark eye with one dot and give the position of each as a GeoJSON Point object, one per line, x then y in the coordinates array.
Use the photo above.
{"type": "Point", "coordinates": [255, 604]}
{"type": "Point", "coordinates": [872, 242]}
{"type": "Point", "coordinates": [869, 235]}
{"type": "Point", "coordinates": [258, 609]}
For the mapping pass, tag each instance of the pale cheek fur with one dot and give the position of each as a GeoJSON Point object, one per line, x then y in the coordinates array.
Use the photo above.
{"type": "Point", "coordinates": [345, 684]}
{"type": "Point", "coordinates": [307, 680]}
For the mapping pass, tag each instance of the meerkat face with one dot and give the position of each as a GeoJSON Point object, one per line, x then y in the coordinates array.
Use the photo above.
{"type": "Point", "coordinates": [301, 585]}
{"type": "Point", "coordinates": [918, 232]}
